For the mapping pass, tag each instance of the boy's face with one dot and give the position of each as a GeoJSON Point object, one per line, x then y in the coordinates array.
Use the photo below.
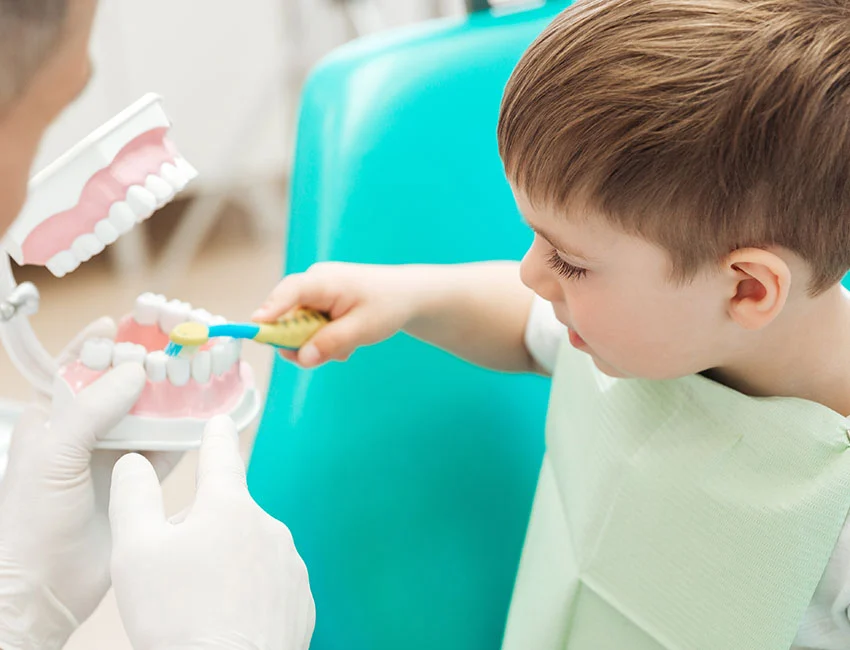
{"type": "Point", "coordinates": [59, 80]}
{"type": "Point", "coordinates": [613, 291]}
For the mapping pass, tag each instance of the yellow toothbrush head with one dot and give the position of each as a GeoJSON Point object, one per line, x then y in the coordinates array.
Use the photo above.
{"type": "Point", "coordinates": [186, 338]}
{"type": "Point", "coordinates": [190, 334]}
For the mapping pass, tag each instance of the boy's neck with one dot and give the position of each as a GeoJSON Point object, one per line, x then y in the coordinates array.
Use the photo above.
{"type": "Point", "coordinates": [804, 354]}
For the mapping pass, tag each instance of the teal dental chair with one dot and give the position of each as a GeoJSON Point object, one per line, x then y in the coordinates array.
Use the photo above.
{"type": "Point", "coordinates": [406, 475]}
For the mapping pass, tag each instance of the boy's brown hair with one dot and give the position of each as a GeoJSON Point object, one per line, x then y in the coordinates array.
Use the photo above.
{"type": "Point", "coordinates": [701, 125]}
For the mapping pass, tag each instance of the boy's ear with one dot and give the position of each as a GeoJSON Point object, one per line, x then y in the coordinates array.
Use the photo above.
{"type": "Point", "coordinates": [760, 282]}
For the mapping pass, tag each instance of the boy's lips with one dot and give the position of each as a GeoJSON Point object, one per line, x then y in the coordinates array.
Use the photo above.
{"type": "Point", "coordinates": [575, 340]}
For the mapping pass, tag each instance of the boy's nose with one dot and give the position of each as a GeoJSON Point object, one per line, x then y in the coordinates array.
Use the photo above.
{"type": "Point", "coordinates": [536, 274]}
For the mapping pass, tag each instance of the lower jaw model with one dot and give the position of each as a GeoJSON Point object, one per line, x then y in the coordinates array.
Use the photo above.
{"type": "Point", "coordinates": [99, 190]}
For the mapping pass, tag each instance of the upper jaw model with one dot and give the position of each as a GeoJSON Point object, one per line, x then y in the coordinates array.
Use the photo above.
{"type": "Point", "coordinates": [99, 190]}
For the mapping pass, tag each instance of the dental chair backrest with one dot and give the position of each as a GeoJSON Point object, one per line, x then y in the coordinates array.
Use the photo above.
{"type": "Point", "coordinates": [406, 475]}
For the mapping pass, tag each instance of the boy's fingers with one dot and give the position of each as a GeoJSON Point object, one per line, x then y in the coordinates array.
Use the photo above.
{"type": "Point", "coordinates": [299, 290]}
{"type": "Point", "coordinates": [289, 355]}
{"type": "Point", "coordinates": [336, 340]}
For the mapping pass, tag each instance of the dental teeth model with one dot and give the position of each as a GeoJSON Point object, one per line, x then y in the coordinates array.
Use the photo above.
{"type": "Point", "coordinates": [181, 394]}
{"type": "Point", "coordinates": [99, 190]}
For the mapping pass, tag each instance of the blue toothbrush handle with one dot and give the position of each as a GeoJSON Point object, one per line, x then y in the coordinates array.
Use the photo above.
{"type": "Point", "coordinates": [235, 330]}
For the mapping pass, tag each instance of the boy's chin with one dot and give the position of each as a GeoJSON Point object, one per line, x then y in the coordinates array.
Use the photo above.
{"type": "Point", "coordinates": [649, 374]}
{"type": "Point", "coordinates": [618, 372]}
{"type": "Point", "coordinates": [607, 369]}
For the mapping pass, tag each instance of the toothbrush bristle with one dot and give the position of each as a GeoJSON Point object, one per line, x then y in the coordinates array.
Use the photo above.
{"type": "Point", "coordinates": [173, 349]}
{"type": "Point", "coordinates": [188, 351]}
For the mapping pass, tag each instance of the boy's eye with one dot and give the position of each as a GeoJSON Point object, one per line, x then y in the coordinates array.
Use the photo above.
{"type": "Point", "coordinates": [564, 269]}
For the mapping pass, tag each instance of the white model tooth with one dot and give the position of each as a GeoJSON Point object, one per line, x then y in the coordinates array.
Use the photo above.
{"type": "Point", "coordinates": [55, 267]}
{"type": "Point", "coordinates": [105, 232]}
{"type": "Point", "coordinates": [155, 365]}
{"type": "Point", "coordinates": [202, 367]}
{"type": "Point", "coordinates": [80, 252]}
{"type": "Point", "coordinates": [172, 313]}
{"type": "Point", "coordinates": [178, 370]}
{"type": "Point", "coordinates": [220, 356]}
{"type": "Point", "coordinates": [62, 263]}
{"type": "Point", "coordinates": [173, 176]}
{"type": "Point", "coordinates": [97, 354]}
{"type": "Point", "coordinates": [128, 353]}
{"type": "Point", "coordinates": [72, 263]}
{"type": "Point", "coordinates": [87, 246]}
{"type": "Point", "coordinates": [232, 352]}
{"type": "Point", "coordinates": [218, 320]}
{"type": "Point", "coordinates": [141, 201]}
{"type": "Point", "coordinates": [162, 191]}
{"type": "Point", "coordinates": [147, 308]}
{"type": "Point", "coordinates": [201, 316]}
{"type": "Point", "coordinates": [185, 168]}
{"type": "Point", "coordinates": [89, 243]}
{"type": "Point", "coordinates": [122, 217]}
{"type": "Point", "coordinates": [56, 264]}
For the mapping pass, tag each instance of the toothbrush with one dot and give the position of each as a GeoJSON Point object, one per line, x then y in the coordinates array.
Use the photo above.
{"type": "Point", "coordinates": [289, 333]}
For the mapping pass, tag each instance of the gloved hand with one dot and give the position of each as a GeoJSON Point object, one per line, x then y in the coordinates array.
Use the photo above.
{"type": "Point", "coordinates": [55, 538]}
{"type": "Point", "coordinates": [225, 576]}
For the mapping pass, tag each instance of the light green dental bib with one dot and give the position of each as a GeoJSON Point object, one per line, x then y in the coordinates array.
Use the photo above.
{"type": "Point", "coordinates": [676, 515]}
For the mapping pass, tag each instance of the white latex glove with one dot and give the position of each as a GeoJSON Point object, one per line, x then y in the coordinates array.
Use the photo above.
{"type": "Point", "coordinates": [55, 539]}
{"type": "Point", "coordinates": [226, 576]}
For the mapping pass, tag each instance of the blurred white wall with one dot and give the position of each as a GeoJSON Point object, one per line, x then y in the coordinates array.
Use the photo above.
{"type": "Point", "coordinates": [215, 62]}
{"type": "Point", "coordinates": [230, 74]}
{"type": "Point", "coordinates": [208, 59]}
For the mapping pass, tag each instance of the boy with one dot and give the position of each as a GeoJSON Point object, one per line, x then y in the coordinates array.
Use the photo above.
{"type": "Point", "coordinates": [685, 166]}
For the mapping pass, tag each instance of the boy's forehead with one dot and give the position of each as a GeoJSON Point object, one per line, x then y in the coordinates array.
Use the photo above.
{"type": "Point", "coordinates": [575, 232]}
{"type": "Point", "coordinates": [582, 233]}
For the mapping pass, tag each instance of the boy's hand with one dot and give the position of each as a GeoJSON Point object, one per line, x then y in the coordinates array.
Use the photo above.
{"type": "Point", "coordinates": [367, 304]}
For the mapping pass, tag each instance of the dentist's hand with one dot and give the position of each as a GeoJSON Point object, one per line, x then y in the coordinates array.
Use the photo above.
{"type": "Point", "coordinates": [54, 529]}
{"type": "Point", "coordinates": [225, 577]}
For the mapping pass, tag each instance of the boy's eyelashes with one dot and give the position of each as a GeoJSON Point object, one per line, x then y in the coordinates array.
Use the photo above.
{"type": "Point", "coordinates": [564, 269]}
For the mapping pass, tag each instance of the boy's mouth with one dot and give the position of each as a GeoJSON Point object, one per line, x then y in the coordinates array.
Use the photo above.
{"type": "Point", "coordinates": [576, 341]}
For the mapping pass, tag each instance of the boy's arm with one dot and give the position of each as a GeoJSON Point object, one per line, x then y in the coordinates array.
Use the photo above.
{"type": "Point", "coordinates": [475, 311]}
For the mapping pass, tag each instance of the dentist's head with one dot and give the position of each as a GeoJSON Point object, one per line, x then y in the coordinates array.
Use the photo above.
{"type": "Point", "coordinates": [44, 65]}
